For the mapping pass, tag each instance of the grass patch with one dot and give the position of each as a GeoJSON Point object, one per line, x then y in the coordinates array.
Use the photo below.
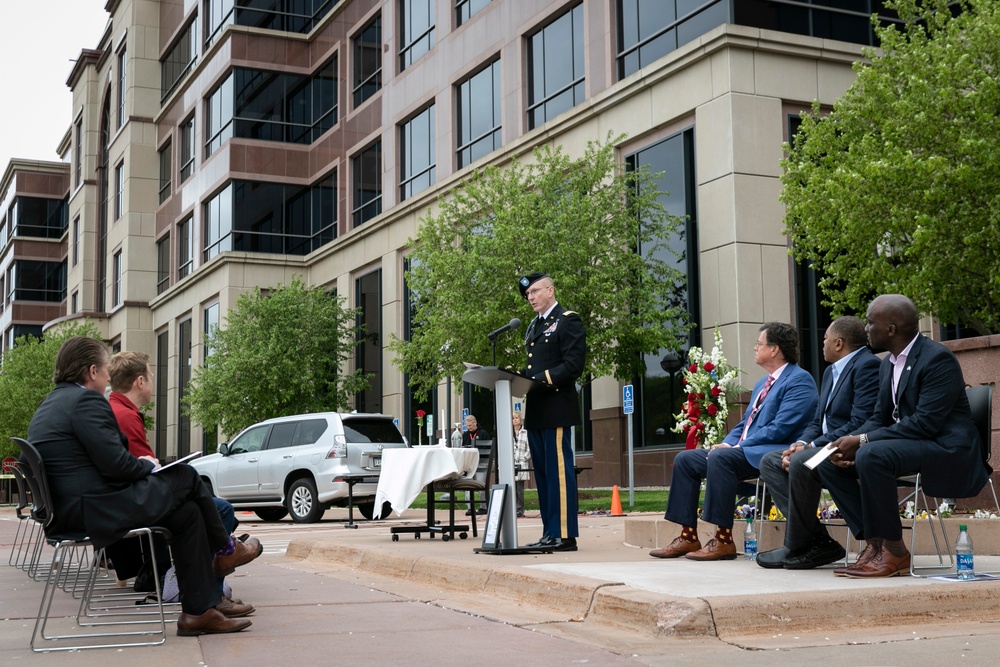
{"type": "Point", "coordinates": [590, 500]}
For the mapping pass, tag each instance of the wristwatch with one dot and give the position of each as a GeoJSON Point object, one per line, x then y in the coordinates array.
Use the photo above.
{"type": "Point", "coordinates": [863, 439]}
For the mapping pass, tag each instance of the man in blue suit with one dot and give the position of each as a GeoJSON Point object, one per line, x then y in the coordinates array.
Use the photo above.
{"type": "Point", "coordinates": [921, 423]}
{"type": "Point", "coordinates": [781, 405]}
{"type": "Point", "coordinates": [846, 401]}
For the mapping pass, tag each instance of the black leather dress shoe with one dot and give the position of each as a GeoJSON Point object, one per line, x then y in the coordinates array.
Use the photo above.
{"type": "Point", "coordinates": [817, 556]}
{"type": "Point", "coordinates": [563, 544]}
{"type": "Point", "coordinates": [546, 541]}
{"type": "Point", "coordinates": [773, 559]}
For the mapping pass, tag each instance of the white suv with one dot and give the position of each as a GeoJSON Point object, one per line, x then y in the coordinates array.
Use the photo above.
{"type": "Point", "coordinates": [297, 465]}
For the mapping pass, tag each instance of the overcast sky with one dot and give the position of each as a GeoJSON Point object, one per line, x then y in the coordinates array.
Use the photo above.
{"type": "Point", "coordinates": [39, 40]}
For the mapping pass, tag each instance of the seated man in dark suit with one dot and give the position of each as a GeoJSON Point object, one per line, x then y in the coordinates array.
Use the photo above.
{"type": "Point", "coordinates": [846, 400]}
{"type": "Point", "coordinates": [921, 423]}
{"type": "Point", "coordinates": [782, 403]}
{"type": "Point", "coordinates": [100, 490]}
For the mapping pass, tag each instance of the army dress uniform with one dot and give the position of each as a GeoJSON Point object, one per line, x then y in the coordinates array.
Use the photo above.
{"type": "Point", "coordinates": [556, 349]}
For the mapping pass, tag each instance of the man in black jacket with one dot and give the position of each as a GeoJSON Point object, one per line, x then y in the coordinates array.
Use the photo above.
{"type": "Point", "coordinates": [474, 435]}
{"type": "Point", "coordinates": [100, 490]}
{"type": "Point", "coordinates": [846, 400]}
{"type": "Point", "coordinates": [556, 343]}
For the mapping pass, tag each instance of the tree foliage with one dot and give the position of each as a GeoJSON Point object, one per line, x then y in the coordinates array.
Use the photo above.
{"type": "Point", "coordinates": [281, 353]}
{"type": "Point", "coordinates": [26, 379]}
{"type": "Point", "coordinates": [895, 190]}
{"type": "Point", "coordinates": [578, 220]}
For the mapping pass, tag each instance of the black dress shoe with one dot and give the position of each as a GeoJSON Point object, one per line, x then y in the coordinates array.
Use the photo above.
{"type": "Point", "coordinates": [563, 544]}
{"type": "Point", "coordinates": [546, 541]}
{"type": "Point", "coordinates": [773, 559]}
{"type": "Point", "coordinates": [817, 556]}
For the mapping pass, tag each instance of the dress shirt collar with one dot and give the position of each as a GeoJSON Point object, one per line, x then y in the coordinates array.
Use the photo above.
{"type": "Point", "coordinates": [544, 315]}
{"type": "Point", "coordinates": [840, 364]}
{"type": "Point", "coordinates": [777, 373]}
{"type": "Point", "coordinates": [904, 354]}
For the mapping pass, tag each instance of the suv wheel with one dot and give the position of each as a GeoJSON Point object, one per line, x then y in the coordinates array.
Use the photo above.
{"type": "Point", "coordinates": [271, 513]}
{"type": "Point", "coordinates": [367, 509]}
{"type": "Point", "coordinates": [302, 503]}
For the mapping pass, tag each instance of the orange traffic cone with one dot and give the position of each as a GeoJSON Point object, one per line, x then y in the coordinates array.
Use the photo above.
{"type": "Point", "coordinates": [616, 502]}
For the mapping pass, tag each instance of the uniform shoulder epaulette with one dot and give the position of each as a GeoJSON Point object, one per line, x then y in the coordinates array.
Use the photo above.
{"type": "Point", "coordinates": [569, 312]}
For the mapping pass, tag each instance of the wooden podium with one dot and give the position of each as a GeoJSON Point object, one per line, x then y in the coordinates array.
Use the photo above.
{"type": "Point", "coordinates": [500, 533]}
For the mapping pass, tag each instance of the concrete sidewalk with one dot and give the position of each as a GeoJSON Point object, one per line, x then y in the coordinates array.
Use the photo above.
{"type": "Point", "coordinates": [357, 597]}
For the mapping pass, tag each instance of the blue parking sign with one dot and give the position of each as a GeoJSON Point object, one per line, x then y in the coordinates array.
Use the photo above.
{"type": "Point", "coordinates": [628, 406]}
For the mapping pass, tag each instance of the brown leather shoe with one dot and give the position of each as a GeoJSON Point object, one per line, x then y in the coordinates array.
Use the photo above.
{"type": "Point", "coordinates": [676, 549]}
{"type": "Point", "coordinates": [882, 564]}
{"type": "Point", "coordinates": [714, 550]}
{"type": "Point", "coordinates": [244, 553]}
{"type": "Point", "coordinates": [212, 622]}
{"type": "Point", "coordinates": [866, 555]}
{"type": "Point", "coordinates": [233, 609]}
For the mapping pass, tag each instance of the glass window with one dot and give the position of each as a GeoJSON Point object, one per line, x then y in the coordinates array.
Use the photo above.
{"type": "Point", "coordinates": [165, 171]}
{"type": "Point", "coordinates": [282, 435]}
{"type": "Point", "coordinates": [368, 300]}
{"type": "Point", "coordinates": [161, 380]}
{"type": "Point", "coordinates": [116, 294]}
{"type": "Point", "coordinates": [162, 265]}
{"type": "Point", "coordinates": [556, 68]}
{"type": "Point", "coordinates": [183, 379]}
{"type": "Point", "coordinates": [287, 15]}
{"type": "Point", "coordinates": [179, 60]}
{"type": "Point", "coordinates": [251, 216]}
{"type": "Point", "coordinates": [211, 324]}
{"type": "Point", "coordinates": [416, 30]}
{"type": "Point", "coordinates": [219, 116]}
{"type": "Point", "coordinates": [417, 159]}
{"type": "Point", "coordinates": [659, 394]}
{"type": "Point", "coordinates": [412, 399]}
{"type": "Point", "coordinates": [367, 168]}
{"type": "Point", "coordinates": [310, 431]}
{"type": "Point", "coordinates": [187, 149]}
{"type": "Point", "coordinates": [121, 88]}
{"type": "Point", "coordinates": [367, 430]}
{"type": "Point", "coordinates": [218, 15]}
{"type": "Point", "coordinates": [466, 9]}
{"type": "Point", "coordinates": [38, 217]}
{"type": "Point", "coordinates": [185, 248]}
{"type": "Point", "coordinates": [368, 61]}
{"type": "Point", "coordinates": [119, 190]}
{"type": "Point", "coordinates": [251, 440]}
{"type": "Point", "coordinates": [78, 170]}
{"type": "Point", "coordinates": [646, 32]}
{"type": "Point", "coordinates": [77, 235]}
{"type": "Point", "coordinates": [28, 280]}
{"type": "Point", "coordinates": [218, 227]}
{"type": "Point", "coordinates": [479, 114]}
{"type": "Point", "coordinates": [844, 20]}
{"type": "Point", "coordinates": [75, 303]}
{"type": "Point", "coordinates": [273, 106]}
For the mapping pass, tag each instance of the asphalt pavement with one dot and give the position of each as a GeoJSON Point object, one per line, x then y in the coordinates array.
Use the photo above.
{"type": "Point", "coordinates": [325, 594]}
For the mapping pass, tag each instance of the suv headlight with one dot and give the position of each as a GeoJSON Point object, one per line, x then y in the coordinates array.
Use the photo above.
{"type": "Point", "coordinates": [339, 449]}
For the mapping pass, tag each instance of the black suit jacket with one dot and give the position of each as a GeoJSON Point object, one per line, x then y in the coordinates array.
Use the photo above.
{"type": "Point", "coordinates": [852, 402]}
{"type": "Point", "coordinates": [932, 407]}
{"type": "Point", "coordinates": [481, 434]}
{"type": "Point", "coordinates": [98, 488]}
{"type": "Point", "coordinates": [557, 351]}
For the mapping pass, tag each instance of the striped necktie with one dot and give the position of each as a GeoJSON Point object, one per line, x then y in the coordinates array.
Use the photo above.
{"type": "Point", "coordinates": [760, 400]}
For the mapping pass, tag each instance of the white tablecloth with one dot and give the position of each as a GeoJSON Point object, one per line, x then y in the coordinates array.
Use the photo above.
{"type": "Point", "coordinates": [405, 472]}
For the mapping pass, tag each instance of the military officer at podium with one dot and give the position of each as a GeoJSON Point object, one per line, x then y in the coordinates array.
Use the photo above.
{"type": "Point", "coordinates": [556, 343]}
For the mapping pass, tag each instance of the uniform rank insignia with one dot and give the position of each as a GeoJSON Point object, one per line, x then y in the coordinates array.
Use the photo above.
{"type": "Point", "coordinates": [552, 328]}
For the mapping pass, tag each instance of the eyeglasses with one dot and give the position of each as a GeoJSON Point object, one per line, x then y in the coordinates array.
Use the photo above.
{"type": "Point", "coordinates": [758, 345]}
{"type": "Point", "coordinates": [533, 292]}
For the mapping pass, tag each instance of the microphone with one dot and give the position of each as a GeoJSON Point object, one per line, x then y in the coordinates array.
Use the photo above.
{"type": "Point", "coordinates": [513, 324]}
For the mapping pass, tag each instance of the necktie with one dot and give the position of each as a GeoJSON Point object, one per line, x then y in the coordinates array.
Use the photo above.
{"type": "Point", "coordinates": [834, 374]}
{"type": "Point", "coordinates": [756, 406]}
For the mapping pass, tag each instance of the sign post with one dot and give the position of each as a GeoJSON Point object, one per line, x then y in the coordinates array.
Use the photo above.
{"type": "Point", "coordinates": [628, 407]}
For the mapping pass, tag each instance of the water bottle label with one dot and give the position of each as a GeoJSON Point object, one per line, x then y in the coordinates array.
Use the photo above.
{"type": "Point", "coordinates": [964, 562]}
{"type": "Point", "coordinates": [750, 547]}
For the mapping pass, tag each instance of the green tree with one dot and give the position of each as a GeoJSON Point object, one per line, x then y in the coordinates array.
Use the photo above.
{"type": "Point", "coordinates": [280, 354]}
{"type": "Point", "coordinates": [895, 189]}
{"type": "Point", "coordinates": [26, 379]}
{"type": "Point", "coordinates": [578, 220]}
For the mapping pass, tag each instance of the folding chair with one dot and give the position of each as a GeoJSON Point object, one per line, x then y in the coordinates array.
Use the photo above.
{"type": "Point", "coordinates": [472, 485]}
{"type": "Point", "coordinates": [70, 550]}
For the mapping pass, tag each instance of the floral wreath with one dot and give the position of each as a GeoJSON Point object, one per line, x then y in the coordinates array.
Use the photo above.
{"type": "Point", "coordinates": [712, 389]}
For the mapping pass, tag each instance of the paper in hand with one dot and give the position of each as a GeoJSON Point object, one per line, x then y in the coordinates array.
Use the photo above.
{"type": "Point", "coordinates": [820, 456]}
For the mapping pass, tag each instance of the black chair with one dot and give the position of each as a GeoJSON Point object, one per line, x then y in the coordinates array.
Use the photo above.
{"type": "Point", "coordinates": [70, 550]}
{"type": "Point", "coordinates": [24, 544]}
{"type": "Point", "coordinates": [478, 483]}
{"type": "Point", "coordinates": [981, 406]}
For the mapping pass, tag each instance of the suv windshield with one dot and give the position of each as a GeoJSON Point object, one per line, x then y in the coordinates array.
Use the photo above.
{"type": "Point", "coordinates": [371, 430]}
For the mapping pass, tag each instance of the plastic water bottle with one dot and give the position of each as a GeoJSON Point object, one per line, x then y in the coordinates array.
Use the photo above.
{"type": "Point", "coordinates": [750, 541]}
{"type": "Point", "coordinates": [963, 553]}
